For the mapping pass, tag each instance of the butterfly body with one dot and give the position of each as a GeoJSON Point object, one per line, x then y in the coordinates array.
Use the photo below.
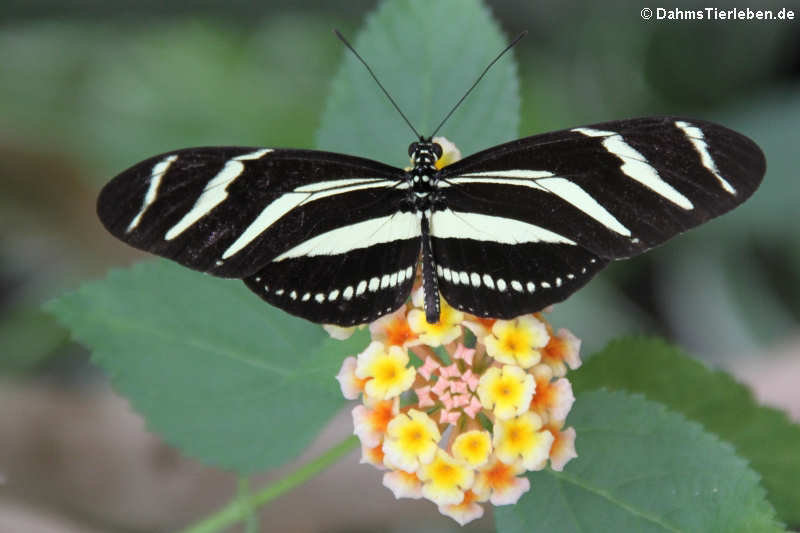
{"type": "Point", "coordinates": [337, 239]}
{"type": "Point", "coordinates": [423, 181]}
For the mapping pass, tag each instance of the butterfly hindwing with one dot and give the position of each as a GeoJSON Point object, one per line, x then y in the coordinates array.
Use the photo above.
{"type": "Point", "coordinates": [488, 279]}
{"type": "Point", "coordinates": [344, 289]}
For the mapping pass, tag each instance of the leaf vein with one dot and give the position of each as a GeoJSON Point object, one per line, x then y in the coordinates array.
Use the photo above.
{"type": "Point", "coordinates": [612, 499]}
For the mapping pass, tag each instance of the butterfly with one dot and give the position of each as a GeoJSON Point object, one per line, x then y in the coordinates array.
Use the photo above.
{"type": "Point", "coordinates": [337, 239]}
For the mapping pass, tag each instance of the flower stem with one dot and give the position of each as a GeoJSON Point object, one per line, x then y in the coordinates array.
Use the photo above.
{"type": "Point", "coordinates": [240, 508]}
{"type": "Point", "coordinates": [242, 494]}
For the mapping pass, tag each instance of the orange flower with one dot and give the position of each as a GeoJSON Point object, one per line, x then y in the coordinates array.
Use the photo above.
{"type": "Point", "coordinates": [553, 399]}
{"type": "Point", "coordinates": [393, 329]}
{"type": "Point", "coordinates": [499, 483]}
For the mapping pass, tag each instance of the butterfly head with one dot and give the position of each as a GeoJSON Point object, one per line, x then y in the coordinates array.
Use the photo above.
{"type": "Point", "coordinates": [424, 153]}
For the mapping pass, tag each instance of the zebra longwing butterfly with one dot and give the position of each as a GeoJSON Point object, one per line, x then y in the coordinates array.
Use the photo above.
{"type": "Point", "coordinates": [510, 230]}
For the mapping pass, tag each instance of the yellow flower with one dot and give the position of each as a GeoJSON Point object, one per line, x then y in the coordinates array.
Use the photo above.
{"type": "Point", "coordinates": [450, 153]}
{"type": "Point", "coordinates": [522, 440]}
{"type": "Point", "coordinates": [387, 371]}
{"type": "Point", "coordinates": [446, 330]}
{"type": "Point", "coordinates": [508, 392]}
{"type": "Point", "coordinates": [370, 423]}
{"type": "Point", "coordinates": [411, 440]}
{"type": "Point", "coordinates": [518, 341]}
{"type": "Point", "coordinates": [445, 479]}
{"type": "Point", "coordinates": [473, 447]}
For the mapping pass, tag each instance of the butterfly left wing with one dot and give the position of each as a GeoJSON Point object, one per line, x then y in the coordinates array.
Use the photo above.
{"type": "Point", "coordinates": [346, 276]}
{"type": "Point", "coordinates": [527, 223]}
{"type": "Point", "coordinates": [303, 228]}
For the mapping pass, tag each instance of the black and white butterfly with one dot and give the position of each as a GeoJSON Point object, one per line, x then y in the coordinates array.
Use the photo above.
{"type": "Point", "coordinates": [336, 239]}
{"type": "Point", "coordinates": [507, 231]}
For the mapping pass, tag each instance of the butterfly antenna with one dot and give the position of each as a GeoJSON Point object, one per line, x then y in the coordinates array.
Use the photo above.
{"type": "Point", "coordinates": [506, 49]}
{"type": "Point", "coordinates": [374, 77]}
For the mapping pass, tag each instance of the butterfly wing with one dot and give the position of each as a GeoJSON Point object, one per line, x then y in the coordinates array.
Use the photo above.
{"type": "Point", "coordinates": [346, 276]}
{"type": "Point", "coordinates": [299, 226]}
{"type": "Point", "coordinates": [547, 212]}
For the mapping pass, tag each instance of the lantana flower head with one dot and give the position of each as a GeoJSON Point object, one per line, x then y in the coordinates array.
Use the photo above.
{"type": "Point", "coordinates": [481, 403]}
{"type": "Point", "coordinates": [484, 403]}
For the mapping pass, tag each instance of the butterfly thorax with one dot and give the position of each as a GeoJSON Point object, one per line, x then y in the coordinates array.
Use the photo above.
{"type": "Point", "coordinates": [423, 177]}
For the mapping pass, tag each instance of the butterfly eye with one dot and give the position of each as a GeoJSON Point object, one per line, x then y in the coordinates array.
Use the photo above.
{"type": "Point", "coordinates": [412, 148]}
{"type": "Point", "coordinates": [437, 149]}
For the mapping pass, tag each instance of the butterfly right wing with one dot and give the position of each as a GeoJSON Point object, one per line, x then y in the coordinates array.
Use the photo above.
{"type": "Point", "coordinates": [527, 223]}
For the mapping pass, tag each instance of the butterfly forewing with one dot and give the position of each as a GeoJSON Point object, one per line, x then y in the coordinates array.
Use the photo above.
{"type": "Point", "coordinates": [616, 188]}
{"type": "Point", "coordinates": [229, 211]}
{"type": "Point", "coordinates": [545, 213]}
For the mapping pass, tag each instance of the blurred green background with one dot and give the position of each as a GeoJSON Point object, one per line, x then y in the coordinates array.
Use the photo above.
{"type": "Point", "coordinates": [88, 88]}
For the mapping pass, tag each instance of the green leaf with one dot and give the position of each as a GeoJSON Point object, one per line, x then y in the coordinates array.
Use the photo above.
{"type": "Point", "coordinates": [762, 435]}
{"type": "Point", "coordinates": [213, 369]}
{"type": "Point", "coordinates": [419, 52]}
{"type": "Point", "coordinates": [641, 468]}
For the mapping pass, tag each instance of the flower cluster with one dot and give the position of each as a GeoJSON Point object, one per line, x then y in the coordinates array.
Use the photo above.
{"type": "Point", "coordinates": [457, 411]}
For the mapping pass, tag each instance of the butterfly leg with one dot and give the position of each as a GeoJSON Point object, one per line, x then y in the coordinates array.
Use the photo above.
{"type": "Point", "coordinates": [430, 285]}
